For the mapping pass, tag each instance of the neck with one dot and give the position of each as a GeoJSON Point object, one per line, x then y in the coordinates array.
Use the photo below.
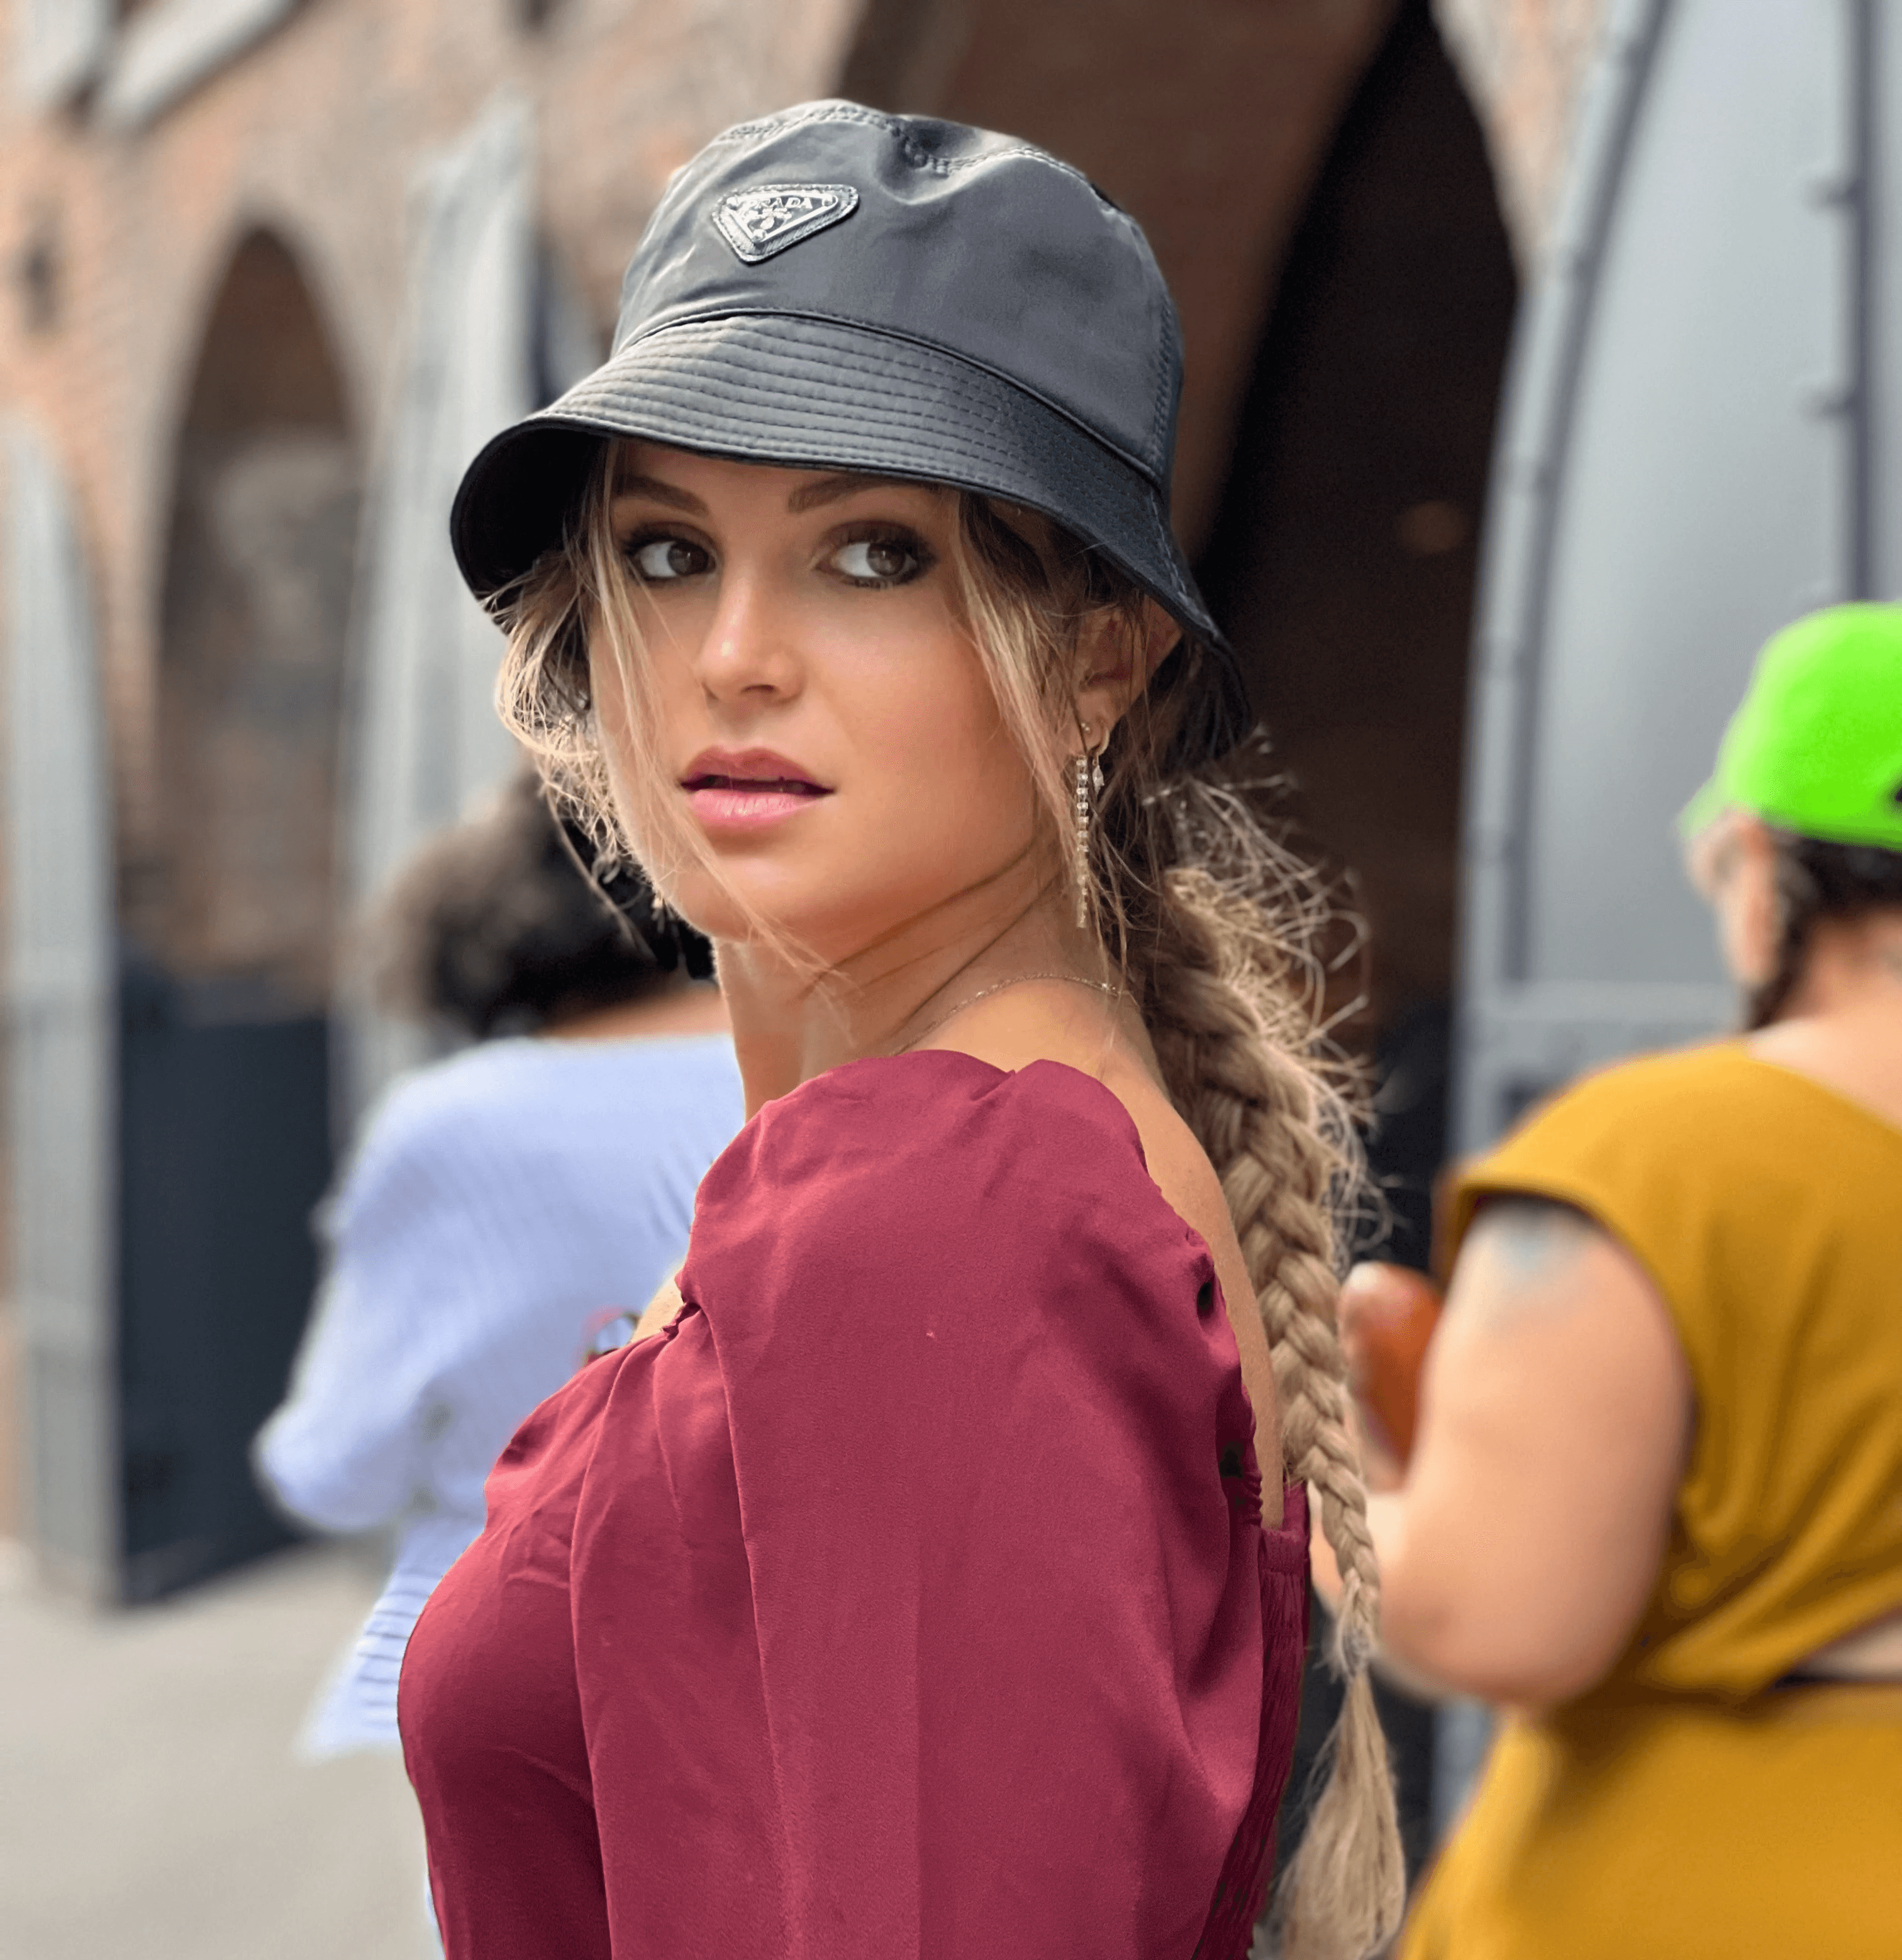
{"type": "Point", "coordinates": [792, 1022]}
{"type": "Point", "coordinates": [1852, 969]}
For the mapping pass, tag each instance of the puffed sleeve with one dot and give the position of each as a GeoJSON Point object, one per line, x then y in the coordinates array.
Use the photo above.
{"type": "Point", "coordinates": [947, 1636]}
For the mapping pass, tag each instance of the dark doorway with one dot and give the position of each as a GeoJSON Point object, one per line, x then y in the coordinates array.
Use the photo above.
{"type": "Point", "coordinates": [1342, 562]}
{"type": "Point", "coordinates": [229, 924]}
{"type": "Point", "coordinates": [1343, 558]}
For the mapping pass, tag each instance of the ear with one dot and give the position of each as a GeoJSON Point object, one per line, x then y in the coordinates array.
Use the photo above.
{"type": "Point", "coordinates": [1734, 863]}
{"type": "Point", "coordinates": [1759, 924]}
{"type": "Point", "coordinates": [1115, 659]}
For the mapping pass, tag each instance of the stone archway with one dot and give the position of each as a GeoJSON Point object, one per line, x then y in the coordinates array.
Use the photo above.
{"type": "Point", "coordinates": [230, 924]}
{"type": "Point", "coordinates": [240, 890]}
{"type": "Point", "coordinates": [1316, 184]}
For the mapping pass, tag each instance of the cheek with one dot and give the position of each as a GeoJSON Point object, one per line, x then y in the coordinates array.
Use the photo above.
{"type": "Point", "coordinates": [952, 781]}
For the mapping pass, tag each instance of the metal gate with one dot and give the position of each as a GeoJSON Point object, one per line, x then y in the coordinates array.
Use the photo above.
{"type": "Point", "coordinates": [225, 1151]}
{"type": "Point", "coordinates": [1698, 446]}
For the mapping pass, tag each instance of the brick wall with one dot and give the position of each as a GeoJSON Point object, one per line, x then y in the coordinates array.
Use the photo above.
{"type": "Point", "coordinates": [1524, 61]}
{"type": "Point", "coordinates": [317, 133]}
{"type": "Point", "coordinates": [1210, 120]}
{"type": "Point", "coordinates": [1207, 120]}
{"type": "Point", "coordinates": [114, 247]}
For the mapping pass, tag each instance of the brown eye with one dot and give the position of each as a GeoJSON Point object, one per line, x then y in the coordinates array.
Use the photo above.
{"type": "Point", "coordinates": [877, 561]}
{"type": "Point", "coordinates": [660, 561]}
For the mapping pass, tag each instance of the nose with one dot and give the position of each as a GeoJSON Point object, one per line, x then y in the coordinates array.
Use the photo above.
{"type": "Point", "coordinates": [748, 654]}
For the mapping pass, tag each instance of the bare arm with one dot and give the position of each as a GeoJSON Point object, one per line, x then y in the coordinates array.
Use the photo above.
{"type": "Point", "coordinates": [1556, 1415]}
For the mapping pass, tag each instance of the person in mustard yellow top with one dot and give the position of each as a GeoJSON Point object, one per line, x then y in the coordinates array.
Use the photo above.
{"type": "Point", "coordinates": [1654, 1510]}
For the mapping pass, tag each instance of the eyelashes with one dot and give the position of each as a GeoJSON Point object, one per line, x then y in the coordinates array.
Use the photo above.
{"type": "Point", "coordinates": [662, 560]}
{"type": "Point", "coordinates": [878, 557]}
{"type": "Point", "coordinates": [884, 558]}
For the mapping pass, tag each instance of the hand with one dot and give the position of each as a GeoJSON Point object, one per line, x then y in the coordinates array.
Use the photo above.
{"type": "Point", "coordinates": [1387, 1315]}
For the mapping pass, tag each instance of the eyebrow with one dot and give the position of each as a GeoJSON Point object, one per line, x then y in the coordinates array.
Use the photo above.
{"type": "Point", "coordinates": [635, 484]}
{"type": "Point", "coordinates": [829, 489]}
{"type": "Point", "coordinates": [846, 483]}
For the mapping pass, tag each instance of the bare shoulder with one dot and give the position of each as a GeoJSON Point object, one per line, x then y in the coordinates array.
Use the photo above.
{"type": "Point", "coordinates": [1055, 1022]}
{"type": "Point", "coordinates": [1187, 1180]}
{"type": "Point", "coordinates": [1177, 1163]}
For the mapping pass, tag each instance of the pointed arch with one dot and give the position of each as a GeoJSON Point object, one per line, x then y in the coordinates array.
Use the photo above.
{"type": "Point", "coordinates": [241, 889]}
{"type": "Point", "coordinates": [230, 924]}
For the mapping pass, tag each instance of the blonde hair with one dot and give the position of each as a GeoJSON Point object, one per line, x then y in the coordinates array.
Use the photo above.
{"type": "Point", "coordinates": [1215, 929]}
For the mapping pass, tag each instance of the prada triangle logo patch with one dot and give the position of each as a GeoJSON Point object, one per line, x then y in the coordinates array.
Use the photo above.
{"type": "Point", "coordinates": [767, 218]}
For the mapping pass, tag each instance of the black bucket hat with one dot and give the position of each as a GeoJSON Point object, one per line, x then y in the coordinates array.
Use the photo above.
{"type": "Point", "coordinates": [834, 288]}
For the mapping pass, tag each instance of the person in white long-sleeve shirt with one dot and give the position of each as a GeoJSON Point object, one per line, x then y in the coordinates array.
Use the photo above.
{"type": "Point", "coordinates": [508, 1212]}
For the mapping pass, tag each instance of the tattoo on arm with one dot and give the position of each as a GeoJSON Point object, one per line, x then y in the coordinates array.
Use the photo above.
{"type": "Point", "coordinates": [1535, 1238]}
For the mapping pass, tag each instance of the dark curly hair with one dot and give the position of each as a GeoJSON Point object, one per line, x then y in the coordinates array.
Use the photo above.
{"type": "Point", "coordinates": [501, 927]}
{"type": "Point", "coordinates": [1816, 881]}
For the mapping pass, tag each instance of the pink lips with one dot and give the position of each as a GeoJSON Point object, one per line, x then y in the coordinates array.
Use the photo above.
{"type": "Point", "coordinates": [746, 789]}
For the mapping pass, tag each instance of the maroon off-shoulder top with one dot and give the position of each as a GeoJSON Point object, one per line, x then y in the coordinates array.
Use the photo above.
{"type": "Point", "coordinates": [908, 1600]}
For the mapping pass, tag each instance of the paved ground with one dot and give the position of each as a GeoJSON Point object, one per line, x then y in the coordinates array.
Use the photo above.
{"type": "Point", "coordinates": [149, 1804]}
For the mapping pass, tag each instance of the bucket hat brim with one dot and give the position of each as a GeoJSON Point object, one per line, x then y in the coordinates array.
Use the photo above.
{"type": "Point", "coordinates": [813, 394]}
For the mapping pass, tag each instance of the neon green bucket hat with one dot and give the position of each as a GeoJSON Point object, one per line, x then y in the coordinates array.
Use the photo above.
{"type": "Point", "coordinates": [1816, 746]}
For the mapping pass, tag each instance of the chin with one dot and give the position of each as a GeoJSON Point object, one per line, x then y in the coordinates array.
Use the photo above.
{"type": "Point", "coordinates": [748, 911]}
{"type": "Point", "coordinates": [718, 914]}
{"type": "Point", "coordinates": [801, 917]}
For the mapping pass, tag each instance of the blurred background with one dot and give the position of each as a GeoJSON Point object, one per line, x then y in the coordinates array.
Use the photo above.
{"type": "Point", "coordinates": [1534, 353]}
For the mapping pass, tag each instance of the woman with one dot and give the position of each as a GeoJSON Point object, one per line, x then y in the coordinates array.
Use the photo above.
{"type": "Point", "coordinates": [916, 1592]}
{"type": "Point", "coordinates": [504, 1210]}
{"type": "Point", "coordinates": [1655, 1503]}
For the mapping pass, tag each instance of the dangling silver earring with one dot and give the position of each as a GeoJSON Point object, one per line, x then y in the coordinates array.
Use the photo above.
{"type": "Point", "coordinates": [1086, 777]}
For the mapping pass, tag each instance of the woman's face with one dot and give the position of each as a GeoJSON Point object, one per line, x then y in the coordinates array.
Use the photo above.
{"type": "Point", "coordinates": [822, 720]}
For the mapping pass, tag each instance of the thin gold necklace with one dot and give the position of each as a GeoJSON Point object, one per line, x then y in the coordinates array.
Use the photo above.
{"type": "Point", "coordinates": [998, 987]}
